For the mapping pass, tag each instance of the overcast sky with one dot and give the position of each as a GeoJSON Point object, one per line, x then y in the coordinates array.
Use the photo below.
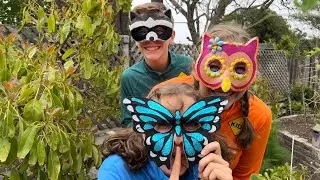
{"type": "Point", "coordinates": [182, 31]}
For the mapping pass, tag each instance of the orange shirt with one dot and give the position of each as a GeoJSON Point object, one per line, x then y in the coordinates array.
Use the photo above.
{"type": "Point", "coordinates": [245, 161]}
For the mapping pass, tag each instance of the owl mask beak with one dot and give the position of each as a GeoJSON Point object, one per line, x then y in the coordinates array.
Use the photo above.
{"type": "Point", "coordinates": [226, 84]}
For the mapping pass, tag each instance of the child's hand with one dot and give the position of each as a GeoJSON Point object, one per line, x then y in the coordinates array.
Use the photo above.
{"type": "Point", "coordinates": [212, 166]}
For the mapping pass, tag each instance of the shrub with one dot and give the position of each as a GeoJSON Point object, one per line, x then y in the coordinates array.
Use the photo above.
{"type": "Point", "coordinates": [48, 89]}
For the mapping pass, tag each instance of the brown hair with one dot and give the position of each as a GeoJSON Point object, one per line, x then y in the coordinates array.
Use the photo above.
{"type": "Point", "coordinates": [152, 7]}
{"type": "Point", "coordinates": [130, 145]}
{"type": "Point", "coordinates": [235, 33]}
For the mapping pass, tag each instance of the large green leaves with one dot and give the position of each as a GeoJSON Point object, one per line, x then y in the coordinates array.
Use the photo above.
{"type": "Point", "coordinates": [33, 110]}
{"type": "Point", "coordinates": [33, 156]}
{"type": "Point", "coordinates": [13, 152]}
{"type": "Point", "coordinates": [53, 165]}
{"type": "Point", "coordinates": [7, 127]}
{"type": "Point", "coordinates": [48, 87]}
{"type": "Point", "coordinates": [68, 53]}
{"type": "Point", "coordinates": [4, 149]}
{"type": "Point", "coordinates": [51, 23]}
{"type": "Point", "coordinates": [64, 145]}
{"type": "Point", "coordinates": [26, 141]}
{"type": "Point", "coordinates": [41, 150]}
{"type": "Point", "coordinates": [84, 23]}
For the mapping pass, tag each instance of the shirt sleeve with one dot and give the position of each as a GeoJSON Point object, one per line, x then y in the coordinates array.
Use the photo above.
{"type": "Point", "coordinates": [125, 92]}
{"type": "Point", "coordinates": [251, 158]}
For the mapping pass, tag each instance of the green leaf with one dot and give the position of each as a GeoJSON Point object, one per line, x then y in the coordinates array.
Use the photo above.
{"type": "Point", "coordinates": [73, 154]}
{"type": "Point", "coordinates": [56, 100]}
{"type": "Point", "coordinates": [25, 93]}
{"type": "Point", "coordinates": [13, 152]}
{"type": "Point", "coordinates": [84, 23]}
{"type": "Point", "coordinates": [16, 67]}
{"type": "Point", "coordinates": [87, 5]}
{"type": "Point", "coordinates": [80, 22]}
{"type": "Point", "coordinates": [53, 140]}
{"type": "Point", "coordinates": [79, 163]}
{"type": "Point", "coordinates": [32, 52]}
{"type": "Point", "coordinates": [9, 127]}
{"type": "Point", "coordinates": [88, 67]}
{"type": "Point", "coordinates": [65, 30]}
{"type": "Point", "coordinates": [14, 175]}
{"type": "Point", "coordinates": [41, 18]}
{"type": "Point", "coordinates": [95, 155]}
{"type": "Point", "coordinates": [64, 145]}
{"type": "Point", "coordinates": [51, 74]}
{"type": "Point", "coordinates": [33, 157]}
{"type": "Point", "coordinates": [21, 128]}
{"type": "Point", "coordinates": [88, 148]}
{"type": "Point", "coordinates": [26, 141]}
{"type": "Point", "coordinates": [41, 150]}
{"type": "Point", "coordinates": [79, 100]}
{"type": "Point", "coordinates": [68, 64]}
{"type": "Point", "coordinates": [4, 149]}
{"type": "Point", "coordinates": [51, 24]}
{"type": "Point", "coordinates": [88, 29]}
{"type": "Point", "coordinates": [82, 175]}
{"type": "Point", "coordinates": [2, 88]}
{"type": "Point", "coordinates": [41, 13]}
{"type": "Point", "coordinates": [68, 53]}
{"type": "Point", "coordinates": [3, 60]}
{"type": "Point", "coordinates": [53, 165]}
{"type": "Point", "coordinates": [33, 110]}
{"type": "Point", "coordinates": [45, 100]}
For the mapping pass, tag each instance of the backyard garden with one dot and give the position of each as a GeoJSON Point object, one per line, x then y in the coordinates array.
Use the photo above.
{"type": "Point", "coordinates": [60, 68]}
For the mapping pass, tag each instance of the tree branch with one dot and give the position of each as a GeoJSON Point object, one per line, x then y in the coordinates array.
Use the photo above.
{"type": "Point", "coordinates": [198, 17]}
{"type": "Point", "coordinates": [219, 12]}
{"type": "Point", "coordinates": [261, 20]}
{"type": "Point", "coordinates": [178, 6]}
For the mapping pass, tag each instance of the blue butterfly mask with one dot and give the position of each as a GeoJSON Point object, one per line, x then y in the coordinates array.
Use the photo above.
{"type": "Point", "coordinates": [148, 114]}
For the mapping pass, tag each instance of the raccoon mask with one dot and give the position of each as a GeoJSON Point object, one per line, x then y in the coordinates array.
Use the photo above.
{"type": "Point", "coordinates": [151, 26]}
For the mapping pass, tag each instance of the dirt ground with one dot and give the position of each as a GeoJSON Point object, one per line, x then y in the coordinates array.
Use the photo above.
{"type": "Point", "coordinates": [298, 125]}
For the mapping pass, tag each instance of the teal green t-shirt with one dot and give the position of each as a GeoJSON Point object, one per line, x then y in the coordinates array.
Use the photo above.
{"type": "Point", "coordinates": [137, 80]}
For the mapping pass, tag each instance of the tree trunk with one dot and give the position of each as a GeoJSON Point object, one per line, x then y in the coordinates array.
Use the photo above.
{"type": "Point", "coordinates": [122, 23]}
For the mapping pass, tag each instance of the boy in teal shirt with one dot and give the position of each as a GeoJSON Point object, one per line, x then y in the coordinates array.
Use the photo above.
{"type": "Point", "coordinates": [152, 29]}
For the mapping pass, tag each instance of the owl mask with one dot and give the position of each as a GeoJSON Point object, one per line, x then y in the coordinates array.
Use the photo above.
{"type": "Point", "coordinates": [227, 65]}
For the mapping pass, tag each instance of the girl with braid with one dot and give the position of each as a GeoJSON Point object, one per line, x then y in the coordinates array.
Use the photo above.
{"type": "Point", "coordinates": [227, 66]}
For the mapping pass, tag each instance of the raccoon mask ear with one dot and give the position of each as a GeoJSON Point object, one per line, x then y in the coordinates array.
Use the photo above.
{"type": "Point", "coordinates": [168, 13]}
{"type": "Point", "coordinates": [133, 15]}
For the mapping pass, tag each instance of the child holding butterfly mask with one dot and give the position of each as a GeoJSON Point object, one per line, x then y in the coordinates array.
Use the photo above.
{"type": "Point", "coordinates": [227, 66]}
{"type": "Point", "coordinates": [174, 129]}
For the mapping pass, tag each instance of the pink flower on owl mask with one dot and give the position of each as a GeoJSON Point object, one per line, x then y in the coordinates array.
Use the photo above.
{"type": "Point", "coordinates": [227, 65]}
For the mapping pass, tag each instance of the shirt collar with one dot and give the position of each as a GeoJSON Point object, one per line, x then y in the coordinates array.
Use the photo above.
{"type": "Point", "coordinates": [156, 74]}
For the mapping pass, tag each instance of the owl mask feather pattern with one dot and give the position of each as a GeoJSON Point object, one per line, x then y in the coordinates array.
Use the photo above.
{"type": "Point", "coordinates": [227, 65]}
{"type": "Point", "coordinates": [147, 114]}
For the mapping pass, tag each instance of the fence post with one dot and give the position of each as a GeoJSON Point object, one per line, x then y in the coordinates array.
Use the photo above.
{"type": "Point", "coordinates": [125, 42]}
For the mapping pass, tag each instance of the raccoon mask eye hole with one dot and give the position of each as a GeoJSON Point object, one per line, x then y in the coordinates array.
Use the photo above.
{"type": "Point", "coordinates": [142, 31]}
